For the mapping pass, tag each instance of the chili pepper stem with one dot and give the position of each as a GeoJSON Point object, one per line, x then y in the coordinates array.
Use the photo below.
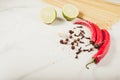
{"type": "Point", "coordinates": [97, 46]}
{"type": "Point", "coordinates": [92, 61]}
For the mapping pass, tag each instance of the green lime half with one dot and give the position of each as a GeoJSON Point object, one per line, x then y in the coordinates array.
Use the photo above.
{"type": "Point", "coordinates": [48, 15]}
{"type": "Point", "coordinates": [70, 12]}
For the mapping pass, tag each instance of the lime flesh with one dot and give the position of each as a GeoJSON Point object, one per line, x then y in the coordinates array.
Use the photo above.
{"type": "Point", "coordinates": [70, 12]}
{"type": "Point", "coordinates": [48, 15]}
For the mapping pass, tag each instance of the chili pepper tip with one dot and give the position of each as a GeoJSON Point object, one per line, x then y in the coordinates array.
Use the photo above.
{"type": "Point", "coordinates": [92, 61]}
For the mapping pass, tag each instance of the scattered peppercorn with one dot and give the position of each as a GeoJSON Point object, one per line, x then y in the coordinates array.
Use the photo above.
{"type": "Point", "coordinates": [61, 41]}
{"type": "Point", "coordinates": [67, 39]}
{"type": "Point", "coordinates": [77, 44]}
{"type": "Point", "coordinates": [88, 50]}
{"type": "Point", "coordinates": [82, 31]}
{"type": "Point", "coordinates": [77, 53]}
{"type": "Point", "coordinates": [75, 34]}
{"type": "Point", "coordinates": [84, 50]}
{"type": "Point", "coordinates": [87, 37]}
{"type": "Point", "coordinates": [72, 43]}
{"type": "Point", "coordinates": [71, 32]}
{"type": "Point", "coordinates": [91, 49]}
{"type": "Point", "coordinates": [75, 39]}
{"type": "Point", "coordinates": [76, 56]}
{"type": "Point", "coordinates": [72, 47]}
{"type": "Point", "coordinates": [70, 37]}
{"type": "Point", "coordinates": [78, 39]}
{"type": "Point", "coordinates": [80, 49]}
{"type": "Point", "coordinates": [79, 26]}
{"type": "Point", "coordinates": [82, 42]}
{"type": "Point", "coordinates": [82, 37]}
{"type": "Point", "coordinates": [65, 42]}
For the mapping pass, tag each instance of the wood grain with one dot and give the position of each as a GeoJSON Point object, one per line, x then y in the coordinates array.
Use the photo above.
{"type": "Point", "coordinates": [100, 4]}
{"type": "Point", "coordinates": [104, 14]}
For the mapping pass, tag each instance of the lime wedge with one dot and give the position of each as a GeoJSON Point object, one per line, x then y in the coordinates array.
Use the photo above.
{"type": "Point", "coordinates": [70, 12]}
{"type": "Point", "coordinates": [48, 15]}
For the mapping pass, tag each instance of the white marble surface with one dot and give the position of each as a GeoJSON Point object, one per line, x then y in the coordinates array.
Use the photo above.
{"type": "Point", "coordinates": [30, 49]}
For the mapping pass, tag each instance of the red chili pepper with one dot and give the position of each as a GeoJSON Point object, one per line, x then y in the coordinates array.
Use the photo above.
{"type": "Point", "coordinates": [99, 36]}
{"type": "Point", "coordinates": [96, 32]}
{"type": "Point", "coordinates": [102, 50]}
{"type": "Point", "coordinates": [85, 23]}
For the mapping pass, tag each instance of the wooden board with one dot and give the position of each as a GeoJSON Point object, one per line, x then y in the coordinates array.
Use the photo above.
{"type": "Point", "coordinates": [103, 13]}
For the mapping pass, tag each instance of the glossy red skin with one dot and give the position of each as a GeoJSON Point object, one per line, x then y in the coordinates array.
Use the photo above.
{"type": "Point", "coordinates": [99, 37]}
{"type": "Point", "coordinates": [85, 23]}
{"type": "Point", "coordinates": [104, 48]}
